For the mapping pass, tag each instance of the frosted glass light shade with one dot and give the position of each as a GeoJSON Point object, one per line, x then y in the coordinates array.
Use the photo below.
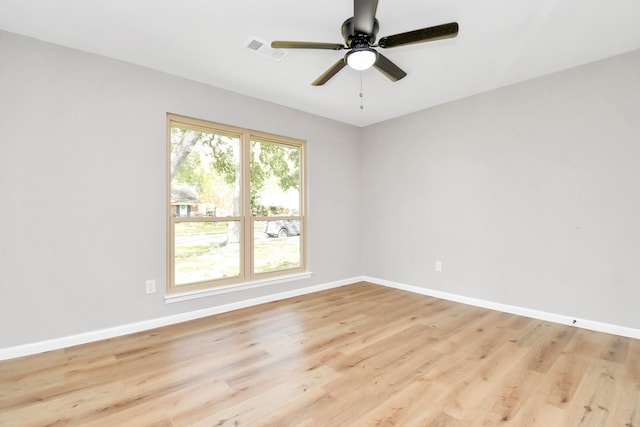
{"type": "Point", "coordinates": [361, 59]}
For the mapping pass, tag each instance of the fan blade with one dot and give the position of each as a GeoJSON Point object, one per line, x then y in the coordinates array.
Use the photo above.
{"type": "Point", "coordinates": [388, 68]}
{"type": "Point", "coordinates": [364, 15]}
{"type": "Point", "coordinates": [439, 32]}
{"type": "Point", "coordinates": [330, 73]}
{"type": "Point", "coordinates": [279, 44]}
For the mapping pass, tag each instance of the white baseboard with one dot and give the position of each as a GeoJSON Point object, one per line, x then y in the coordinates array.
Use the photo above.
{"type": "Point", "coordinates": [522, 311]}
{"type": "Point", "coordinates": [87, 337]}
{"type": "Point", "coordinates": [84, 338]}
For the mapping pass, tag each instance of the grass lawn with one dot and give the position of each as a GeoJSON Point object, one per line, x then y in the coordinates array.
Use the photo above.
{"type": "Point", "coordinates": [202, 252]}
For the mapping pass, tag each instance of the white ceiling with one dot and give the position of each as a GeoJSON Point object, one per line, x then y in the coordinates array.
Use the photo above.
{"type": "Point", "coordinates": [500, 42]}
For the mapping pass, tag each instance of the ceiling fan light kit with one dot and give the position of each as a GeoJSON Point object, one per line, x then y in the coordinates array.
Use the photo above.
{"type": "Point", "coordinates": [359, 33]}
{"type": "Point", "coordinates": [361, 59]}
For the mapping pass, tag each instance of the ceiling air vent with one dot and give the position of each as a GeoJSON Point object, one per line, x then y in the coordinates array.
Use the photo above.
{"type": "Point", "coordinates": [263, 48]}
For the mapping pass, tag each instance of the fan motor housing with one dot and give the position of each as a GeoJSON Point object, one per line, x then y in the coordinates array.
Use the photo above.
{"type": "Point", "coordinates": [355, 39]}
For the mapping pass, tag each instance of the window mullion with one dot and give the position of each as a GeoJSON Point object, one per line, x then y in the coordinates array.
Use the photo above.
{"type": "Point", "coordinates": [247, 223]}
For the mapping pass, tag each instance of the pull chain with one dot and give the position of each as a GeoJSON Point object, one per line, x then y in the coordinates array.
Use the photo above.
{"type": "Point", "coordinates": [361, 94]}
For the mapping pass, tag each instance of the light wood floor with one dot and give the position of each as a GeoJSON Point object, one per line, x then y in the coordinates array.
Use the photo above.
{"type": "Point", "coordinates": [360, 355]}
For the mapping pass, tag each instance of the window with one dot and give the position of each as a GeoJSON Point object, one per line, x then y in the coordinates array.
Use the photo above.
{"type": "Point", "coordinates": [235, 205]}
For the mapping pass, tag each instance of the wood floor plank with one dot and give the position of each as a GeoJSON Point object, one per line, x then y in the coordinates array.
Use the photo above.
{"type": "Point", "coordinates": [359, 355]}
{"type": "Point", "coordinates": [596, 396]}
{"type": "Point", "coordinates": [564, 378]}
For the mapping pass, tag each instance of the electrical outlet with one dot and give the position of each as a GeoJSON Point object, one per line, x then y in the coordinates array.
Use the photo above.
{"type": "Point", "coordinates": [151, 286]}
{"type": "Point", "coordinates": [438, 266]}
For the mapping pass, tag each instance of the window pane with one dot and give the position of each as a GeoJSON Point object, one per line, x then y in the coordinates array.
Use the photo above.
{"type": "Point", "coordinates": [205, 173]}
{"type": "Point", "coordinates": [275, 179]}
{"type": "Point", "coordinates": [206, 251]}
{"type": "Point", "coordinates": [276, 245]}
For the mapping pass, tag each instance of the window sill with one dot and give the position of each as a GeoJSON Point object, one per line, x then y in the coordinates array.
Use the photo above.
{"type": "Point", "coordinates": [203, 293]}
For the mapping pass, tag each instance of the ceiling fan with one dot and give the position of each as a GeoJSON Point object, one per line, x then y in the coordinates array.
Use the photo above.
{"type": "Point", "coordinates": [359, 33]}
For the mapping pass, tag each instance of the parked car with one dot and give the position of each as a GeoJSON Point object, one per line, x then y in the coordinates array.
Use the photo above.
{"type": "Point", "coordinates": [282, 228]}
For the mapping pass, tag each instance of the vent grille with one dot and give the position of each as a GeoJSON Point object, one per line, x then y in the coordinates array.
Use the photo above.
{"type": "Point", "coordinates": [262, 47]}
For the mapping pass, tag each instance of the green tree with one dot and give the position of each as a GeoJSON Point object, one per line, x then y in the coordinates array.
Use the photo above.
{"type": "Point", "coordinates": [272, 160]}
{"type": "Point", "coordinates": [209, 163]}
{"type": "Point", "coordinates": [202, 159]}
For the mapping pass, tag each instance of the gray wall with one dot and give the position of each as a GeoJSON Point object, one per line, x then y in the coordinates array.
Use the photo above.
{"type": "Point", "coordinates": [529, 195]}
{"type": "Point", "coordinates": [82, 218]}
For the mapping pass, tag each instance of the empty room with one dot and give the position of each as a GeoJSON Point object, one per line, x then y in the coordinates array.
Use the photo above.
{"type": "Point", "coordinates": [340, 213]}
